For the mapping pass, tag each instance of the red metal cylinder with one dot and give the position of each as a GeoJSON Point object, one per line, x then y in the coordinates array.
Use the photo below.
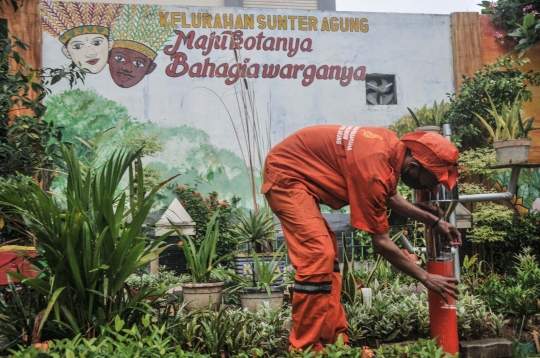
{"type": "Point", "coordinates": [443, 321]}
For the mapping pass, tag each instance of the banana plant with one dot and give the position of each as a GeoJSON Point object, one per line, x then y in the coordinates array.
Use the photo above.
{"type": "Point", "coordinates": [88, 250]}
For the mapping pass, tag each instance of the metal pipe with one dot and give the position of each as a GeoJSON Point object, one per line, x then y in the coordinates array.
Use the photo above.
{"type": "Point", "coordinates": [407, 244]}
{"type": "Point", "coordinates": [507, 195]}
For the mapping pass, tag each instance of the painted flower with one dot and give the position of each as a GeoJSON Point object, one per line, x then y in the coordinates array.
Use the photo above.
{"type": "Point", "coordinates": [207, 198]}
{"type": "Point", "coordinates": [224, 204]}
{"type": "Point", "coordinates": [180, 243]}
{"type": "Point", "coordinates": [198, 193]}
{"type": "Point", "coordinates": [42, 347]}
{"type": "Point", "coordinates": [181, 188]}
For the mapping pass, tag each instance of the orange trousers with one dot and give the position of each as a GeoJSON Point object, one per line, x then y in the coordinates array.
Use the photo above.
{"type": "Point", "coordinates": [317, 315]}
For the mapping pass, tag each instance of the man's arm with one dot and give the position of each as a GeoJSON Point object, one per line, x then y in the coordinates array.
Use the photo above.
{"type": "Point", "coordinates": [403, 207]}
{"type": "Point", "coordinates": [438, 284]}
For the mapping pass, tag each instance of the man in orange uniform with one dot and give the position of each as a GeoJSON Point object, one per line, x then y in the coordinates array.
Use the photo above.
{"type": "Point", "coordinates": [357, 166]}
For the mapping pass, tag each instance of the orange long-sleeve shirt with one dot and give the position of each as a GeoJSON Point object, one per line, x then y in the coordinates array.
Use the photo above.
{"type": "Point", "coordinates": [341, 165]}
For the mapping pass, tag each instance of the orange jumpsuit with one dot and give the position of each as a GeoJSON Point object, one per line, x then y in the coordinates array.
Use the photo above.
{"type": "Point", "coordinates": [337, 166]}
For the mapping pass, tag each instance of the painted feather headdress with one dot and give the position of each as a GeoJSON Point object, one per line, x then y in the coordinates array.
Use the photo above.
{"type": "Point", "coordinates": [138, 29]}
{"type": "Point", "coordinates": [66, 19]}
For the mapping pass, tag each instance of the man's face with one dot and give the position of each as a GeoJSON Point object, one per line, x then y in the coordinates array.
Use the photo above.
{"type": "Point", "coordinates": [417, 177]}
{"type": "Point", "coordinates": [128, 67]}
{"type": "Point", "coordinates": [89, 51]}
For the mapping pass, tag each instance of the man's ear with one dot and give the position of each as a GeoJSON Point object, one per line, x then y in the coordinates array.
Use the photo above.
{"type": "Point", "coordinates": [151, 68]}
{"type": "Point", "coordinates": [414, 167]}
{"type": "Point", "coordinates": [66, 52]}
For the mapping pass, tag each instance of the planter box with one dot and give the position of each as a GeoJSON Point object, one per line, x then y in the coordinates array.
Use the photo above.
{"type": "Point", "coordinates": [12, 259]}
{"type": "Point", "coordinates": [203, 296]}
{"type": "Point", "coordinates": [253, 298]}
{"type": "Point", "coordinates": [513, 151]}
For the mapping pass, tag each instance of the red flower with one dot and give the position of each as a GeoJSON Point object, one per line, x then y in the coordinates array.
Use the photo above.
{"type": "Point", "coordinates": [224, 204]}
{"type": "Point", "coordinates": [207, 198]}
{"type": "Point", "coordinates": [198, 193]}
{"type": "Point", "coordinates": [180, 243]}
{"type": "Point", "coordinates": [405, 232]}
{"type": "Point", "coordinates": [180, 187]}
{"type": "Point", "coordinates": [209, 208]}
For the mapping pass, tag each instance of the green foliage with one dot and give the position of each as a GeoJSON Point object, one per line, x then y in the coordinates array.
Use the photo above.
{"type": "Point", "coordinates": [432, 116]}
{"type": "Point", "coordinates": [349, 289]}
{"type": "Point", "coordinates": [517, 295]}
{"type": "Point", "coordinates": [202, 260]}
{"type": "Point", "coordinates": [232, 332]}
{"type": "Point", "coordinates": [484, 218]}
{"type": "Point", "coordinates": [148, 341]}
{"type": "Point", "coordinates": [478, 161]}
{"type": "Point", "coordinates": [28, 144]}
{"type": "Point", "coordinates": [508, 121]}
{"type": "Point", "coordinates": [89, 250]}
{"type": "Point", "coordinates": [201, 210]}
{"type": "Point", "coordinates": [397, 314]}
{"type": "Point", "coordinates": [424, 348]}
{"type": "Point", "coordinates": [163, 278]}
{"type": "Point", "coordinates": [255, 230]}
{"type": "Point", "coordinates": [266, 273]}
{"type": "Point", "coordinates": [518, 19]}
{"type": "Point", "coordinates": [503, 80]}
{"type": "Point", "coordinates": [18, 313]}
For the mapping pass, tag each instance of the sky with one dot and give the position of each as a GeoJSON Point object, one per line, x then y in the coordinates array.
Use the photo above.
{"type": "Point", "coordinates": [409, 6]}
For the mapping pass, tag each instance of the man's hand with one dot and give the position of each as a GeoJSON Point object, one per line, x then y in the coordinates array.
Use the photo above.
{"type": "Point", "coordinates": [442, 286]}
{"type": "Point", "coordinates": [449, 231]}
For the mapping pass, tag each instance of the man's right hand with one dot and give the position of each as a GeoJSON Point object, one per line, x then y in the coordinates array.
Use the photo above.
{"type": "Point", "coordinates": [442, 286]}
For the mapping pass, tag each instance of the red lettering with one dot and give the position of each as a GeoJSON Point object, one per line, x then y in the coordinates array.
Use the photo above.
{"type": "Point", "coordinates": [309, 75]}
{"type": "Point", "coordinates": [322, 72]}
{"type": "Point", "coordinates": [362, 75]}
{"type": "Point", "coordinates": [195, 70]}
{"type": "Point", "coordinates": [179, 60]}
{"type": "Point", "coordinates": [188, 41]}
{"type": "Point", "coordinates": [286, 71]}
{"type": "Point", "coordinates": [270, 71]}
{"type": "Point", "coordinates": [346, 76]}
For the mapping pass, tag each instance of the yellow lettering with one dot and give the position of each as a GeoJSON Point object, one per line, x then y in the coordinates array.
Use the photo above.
{"type": "Point", "coordinates": [227, 21]}
{"type": "Point", "coordinates": [248, 21]}
{"type": "Point", "coordinates": [312, 23]}
{"type": "Point", "coordinates": [364, 26]}
{"type": "Point", "coordinates": [207, 21]}
{"type": "Point", "coordinates": [238, 24]}
{"type": "Point", "coordinates": [175, 19]}
{"type": "Point", "coordinates": [292, 18]}
{"type": "Point", "coordinates": [334, 24]}
{"type": "Point", "coordinates": [261, 22]}
{"type": "Point", "coordinates": [282, 22]}
{"type": "Point", "coordinates": [196, 19]}
{"type": "Point", "coordinates": [302, 23]}
{"type": "Point", "coordinates": [217, 22]}
{"type": "Point", "coordinates": [354, 24]}
{"type": "Point", "coordinates": [185, 24]}
{"type": "Point", "coordinates": [325, 26]}
{"type": "Point", "coordinates": [163, 18]}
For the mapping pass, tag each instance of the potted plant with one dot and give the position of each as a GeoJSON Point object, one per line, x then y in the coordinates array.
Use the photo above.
{"type": "Point", "coordinates": [509, 132]}
{"type": "Point", "coordinates": [265, 285]}
{"type": "Point", "coordinates": [254, 232]}
{"type": "Point", "coordinates": [202, 292]}
{"type": "Point", "coordinates": [430, 119]}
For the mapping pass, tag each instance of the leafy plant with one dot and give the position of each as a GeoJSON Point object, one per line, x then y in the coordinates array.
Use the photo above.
{"type": "Point", "coordinates": [424, 348]}
{"type": "Point", "coordinates": [483, 218]}
{"type": "Point", "coordinates": [503, 80]}
{"type": "Point", "coordinates": [265, 273]}
{"type": "Point", "coordinates": [508, 122]}
{"type": "Point", "coordinates": [89, 250]}
{"type": "Point", "coordinates": [163, 278]}
{"type": "Point", "coordinates": [201, 208]}
{"type": "Point", "coordinates": [432, 116]}
{"type": "Point", "coordinates": [518, 19]}
{"type": "Point", "coordinates": [255, 229]}
{"type": "Point", "coordinates": [201, 260]}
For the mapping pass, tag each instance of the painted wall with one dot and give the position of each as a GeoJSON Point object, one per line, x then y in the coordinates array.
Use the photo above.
{"type": "Point", "coordinates": [171, 70]}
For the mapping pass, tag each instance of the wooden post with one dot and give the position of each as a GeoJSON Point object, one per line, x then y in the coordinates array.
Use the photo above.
{"type": "Point", "coordinates": [466, 45]}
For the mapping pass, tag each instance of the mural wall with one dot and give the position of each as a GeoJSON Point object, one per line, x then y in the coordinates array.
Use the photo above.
{"type": "Point", "coordinates": [192, 75]}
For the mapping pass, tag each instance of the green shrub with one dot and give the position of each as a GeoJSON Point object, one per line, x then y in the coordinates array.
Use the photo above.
{"type": "Point", "coordinates": [424, 348]}
{"type": "Point", "coordinates": [201, 208]}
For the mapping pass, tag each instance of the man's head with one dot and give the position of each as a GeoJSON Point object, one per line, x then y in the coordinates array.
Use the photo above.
{"type": "Point", "coordinates": [430, 159]}
{"type": "Point", "coordinates": [128, 67]}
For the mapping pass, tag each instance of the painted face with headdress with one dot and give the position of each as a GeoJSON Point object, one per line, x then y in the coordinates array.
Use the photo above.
{"type": "Point", "coordinates": [83, 29]}
{"type": "Point", "coordinates": [138, 36]}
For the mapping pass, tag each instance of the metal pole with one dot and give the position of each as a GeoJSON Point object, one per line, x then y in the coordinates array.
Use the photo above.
{"type": "Point", "coordinates": [447, 132]}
